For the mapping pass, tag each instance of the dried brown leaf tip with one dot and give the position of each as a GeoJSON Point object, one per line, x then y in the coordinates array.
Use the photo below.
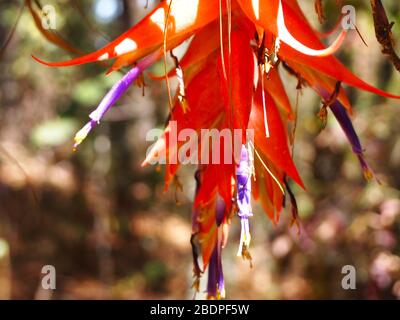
{"type": "Point", "coordinates": [319, 9]}
{"type": "Point", "coordinates": [295, 211]}
{"type": "Point", "coordinates": [194, 241]}
{"type": "Point", "coordinates": [383, 31]}
{"type": "Point", "coordinates": [246, 255]}
{"type": "Point", "coordinates": [323, 112]}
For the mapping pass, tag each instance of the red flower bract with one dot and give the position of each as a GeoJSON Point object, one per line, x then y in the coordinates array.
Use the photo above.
{"type": "Point", "coordinates": [229, 79]}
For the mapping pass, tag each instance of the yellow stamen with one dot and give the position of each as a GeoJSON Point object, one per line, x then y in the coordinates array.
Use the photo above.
{"type": "Point", "coordinates": [165, 57]}
{"type": "Point", "coordinates": [81, 135]}
{"type": "Point", "coordinates": [268, 170]}
{"type": "Point", "coordinates": [221, 40]}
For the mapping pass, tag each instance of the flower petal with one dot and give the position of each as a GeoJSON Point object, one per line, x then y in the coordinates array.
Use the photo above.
{"type": "Point", "coordinates": [148, 35]}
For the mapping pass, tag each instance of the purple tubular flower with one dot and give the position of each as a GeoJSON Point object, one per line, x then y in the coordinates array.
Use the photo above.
{"type": "Point", "coordinates": [342, 117]}
{"type": "Point", "coordinates": [243, 175]}
{"type": "Point", "coordinates": [215, 282]}
{"type": "Point", "coordinates": [113, 95]}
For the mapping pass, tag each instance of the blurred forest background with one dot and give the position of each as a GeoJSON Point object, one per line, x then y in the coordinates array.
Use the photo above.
{"type": "Point", "coordinates": [111, 231]}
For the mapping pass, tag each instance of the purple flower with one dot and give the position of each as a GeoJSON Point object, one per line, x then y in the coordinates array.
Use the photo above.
{"type": "Point", "coordinates": [342, 117]}
{"type": "Point", "coordinates": [113, 95]}
{"type": "Point", "coordinates": [243, 175]}
{"type": "Point", "coordinates": [215, 282]}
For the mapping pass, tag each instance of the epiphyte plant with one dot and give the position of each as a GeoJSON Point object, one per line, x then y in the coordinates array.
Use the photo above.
{"type": "Point", "coordinates": [229, 78]}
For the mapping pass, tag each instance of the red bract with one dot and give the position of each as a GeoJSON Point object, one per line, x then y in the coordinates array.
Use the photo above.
{"type": "Point", "coordinates": [229, 79]}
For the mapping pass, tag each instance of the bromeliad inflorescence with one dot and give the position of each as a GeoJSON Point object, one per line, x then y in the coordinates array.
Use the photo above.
{"type": "Point", "coordinates": [229, 79]}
